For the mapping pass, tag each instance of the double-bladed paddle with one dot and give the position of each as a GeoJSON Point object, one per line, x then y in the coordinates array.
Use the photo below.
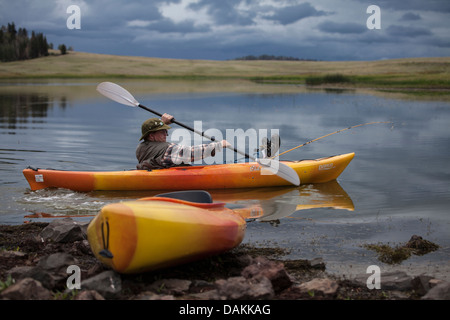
{"type": "Point", "coordinates": [122, 96]}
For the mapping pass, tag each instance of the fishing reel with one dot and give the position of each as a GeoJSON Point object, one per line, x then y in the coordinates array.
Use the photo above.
{"type": "Point", "coordinates": [268, 147]}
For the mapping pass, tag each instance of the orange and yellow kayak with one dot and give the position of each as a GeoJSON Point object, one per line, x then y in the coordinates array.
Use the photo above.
{"type": "Point", "coordinates": [158, 232]}
{"type": "Point", "coordinates": [218, 176]}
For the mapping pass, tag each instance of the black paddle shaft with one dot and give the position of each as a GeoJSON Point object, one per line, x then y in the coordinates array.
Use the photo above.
{"type": "Point", "coordinates": [191, 129]}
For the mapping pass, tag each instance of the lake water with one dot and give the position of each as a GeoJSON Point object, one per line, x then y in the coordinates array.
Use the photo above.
{"type": "Point", "coordinates": [396, 186]}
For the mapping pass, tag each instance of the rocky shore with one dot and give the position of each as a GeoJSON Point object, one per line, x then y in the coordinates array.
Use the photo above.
{"type": "Point", "coordinates": [39, 261]}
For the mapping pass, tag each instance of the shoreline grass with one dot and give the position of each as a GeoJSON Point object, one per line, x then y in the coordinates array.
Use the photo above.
{"type": "Point", "coordinates": [405, 75]}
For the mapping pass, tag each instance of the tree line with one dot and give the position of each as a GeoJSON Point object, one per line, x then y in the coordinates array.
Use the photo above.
{"type": "Point", "coordinates": [18, 45]}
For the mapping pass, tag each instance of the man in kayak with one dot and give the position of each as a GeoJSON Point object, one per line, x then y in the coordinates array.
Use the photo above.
{"type": "Point", "coordinates": [156, 153]}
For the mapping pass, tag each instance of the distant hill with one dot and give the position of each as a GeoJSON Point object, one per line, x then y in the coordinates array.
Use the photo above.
{"type": "Point", "coordinates": [272, 57]}
{"type": "Point", "coordinates": [421, 76]}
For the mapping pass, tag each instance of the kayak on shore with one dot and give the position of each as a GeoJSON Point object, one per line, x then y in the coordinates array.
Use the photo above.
{"type": "Point", "coordinates": [217, 176]}
{"type": "Point", "coordinates": [163, 231]}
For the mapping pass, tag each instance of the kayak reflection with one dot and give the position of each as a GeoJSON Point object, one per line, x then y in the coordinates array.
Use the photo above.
{"type": "Point", "coordinates": [269, 204]}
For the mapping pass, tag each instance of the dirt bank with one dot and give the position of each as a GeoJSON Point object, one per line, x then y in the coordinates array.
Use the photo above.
{"type": "Point", "coordinates": [25, 254]}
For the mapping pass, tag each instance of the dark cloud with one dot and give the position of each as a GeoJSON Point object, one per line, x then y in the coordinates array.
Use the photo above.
{"type": "Point", "coordinates": [114, 12]}
{"type": "Point", "coordinates": [438, 43]}
{"type": "Point", "coordinates": [344, 27]}
{"type": "Point", "coordinates": [411, 5]}
{"type": "Point", "coordinates": [294, 13]}
{"type": "Point", "coordinates": [225, 12]}
{"type": "Point", "coordinates": [409, 32]}
{"type": "Point", "coordinates": [228, 12]}
{"type": "Point", "coordinates": [168, 26]}
{"type": "Point", "coordinates": [409, 16]}
{"type": "Point", "coordinates": [235, 28]}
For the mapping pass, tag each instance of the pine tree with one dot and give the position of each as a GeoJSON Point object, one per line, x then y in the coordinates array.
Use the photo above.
{"type": "Point", "coordinates": [16, 45]}
{"type": "Point", "coordinates": [62, 48]}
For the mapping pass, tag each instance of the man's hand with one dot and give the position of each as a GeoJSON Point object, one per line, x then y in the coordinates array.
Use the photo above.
{"type": "Point", "coordinates": [167, 118]}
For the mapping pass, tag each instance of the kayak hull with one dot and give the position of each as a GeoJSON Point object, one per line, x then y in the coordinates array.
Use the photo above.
{"type": "Point", "coordinates": [154, 233]}
{"type": "Point", "coordinates": [220, 176]}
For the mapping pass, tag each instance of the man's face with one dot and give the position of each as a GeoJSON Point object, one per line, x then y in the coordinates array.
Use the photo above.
{"type": "Point", "coordinates": [160, 135]}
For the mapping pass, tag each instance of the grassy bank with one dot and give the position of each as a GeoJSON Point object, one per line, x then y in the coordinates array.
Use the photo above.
{"type": "Point", "coordinates": [417, 75]}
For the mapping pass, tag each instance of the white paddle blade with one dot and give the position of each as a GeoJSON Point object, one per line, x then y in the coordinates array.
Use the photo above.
{"type": "Point", "coordinates": [280, 169]}
{"type": "Point", "coordinates": [117, 93]}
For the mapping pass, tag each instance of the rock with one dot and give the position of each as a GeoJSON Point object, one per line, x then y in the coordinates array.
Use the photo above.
{"type": "Point", "coordinates": [89, 295]}
{"type": "Point", "coordinates": [435, 282]}
{"type": "Point", "coordinates": [323, 287]}
{"type": "Point", "coordinates": [45, 278]}
{"type": "Point", "coordinates": [274, 271]}
{"type": "Point", "coordinates": [317, 263]}
{"type": "Point", "coordinates": [240, 288]}
{"type": "Point", "coordinates": [64, 230]}
{"type": "Point", "coordinates": [170, 286]}
{"type": "Point", "coordinates": [95, 269]}
{"type": "Point", "coordinates": [4, 254]}
{"type": "Point", "coordinates": [81, 247]}
{"type": "Point", "coordinates": [421, 284]}
{"type": "Point", "coordinates": [398, 295]}
{"type": "Point", "coordinates": [299, 265]}
{"type": "Point", "coordinates": [50, 271]}
{"type": "Point", "coordinates": [421, 246]}
{"type": "Point", "coordinates": [57, 262]}
{"type": "Point", "coordinates": [107, 283]}
{"type": "Point", "coordinates": [21, 272]}
{"type": "Point", "coordinates": [148, 295]}
{"type": "Point", "coordinates": [439, 292]}
{"type": "Point", "coordinates": [397, 280]}
{"type": "Point", "coordinates": [207, 295]}
{"type": "Point", "coordinates": [244, 260]}
{"type": "Point", "coordinates": [200, 286]}
{"type": "Point", "coordinates": [395, 255]}
{"type": "Point", "coordinates": [26, 289]}
{"type": "Point", "coordinates": [202, 290]}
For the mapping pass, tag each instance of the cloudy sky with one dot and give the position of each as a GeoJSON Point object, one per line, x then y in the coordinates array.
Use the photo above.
{"type": "Point", "coordinates": [227, 29]}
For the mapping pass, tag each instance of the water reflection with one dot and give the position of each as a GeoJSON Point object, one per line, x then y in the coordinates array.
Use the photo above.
{"type": "Point", "coordinates": [278, 203]}
{"type": "Point", "coordinates": [260, 204]}
{"type": "Point", "coordinates": [16, 108]}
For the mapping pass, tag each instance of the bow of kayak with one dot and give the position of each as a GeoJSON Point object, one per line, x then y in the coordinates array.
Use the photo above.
{"type": "Point", "coordinates": [158, 232]}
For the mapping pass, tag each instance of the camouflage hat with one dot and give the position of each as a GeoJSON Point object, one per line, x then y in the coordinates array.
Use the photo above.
{"type": "Point", "coordinates": [151, 125]}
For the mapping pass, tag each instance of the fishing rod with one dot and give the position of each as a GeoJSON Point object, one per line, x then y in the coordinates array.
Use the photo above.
{"type": "Point", "coordinates": [329, 134]}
